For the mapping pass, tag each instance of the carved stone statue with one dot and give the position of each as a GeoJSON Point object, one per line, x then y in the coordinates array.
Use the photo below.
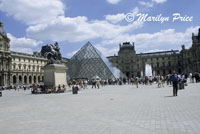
{"type": "Point", "coordinates": [52, 53]}
{"type": "Point", "coordinates": [199, 35]}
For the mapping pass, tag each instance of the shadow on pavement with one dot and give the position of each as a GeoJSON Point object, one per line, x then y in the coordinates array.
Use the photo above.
{"type": "Point", "coordinates": [170, 96]}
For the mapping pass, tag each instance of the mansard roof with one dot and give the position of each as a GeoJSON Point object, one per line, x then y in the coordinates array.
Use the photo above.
{"type": "Point", "coordinates": [127, 45]}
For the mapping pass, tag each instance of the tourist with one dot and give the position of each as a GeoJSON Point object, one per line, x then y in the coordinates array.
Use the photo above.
{"type": "Point", "coordinates": [24, 87]}
{"type": "Point", "coordinates": [70, 83]}
{"type": "Point", "coordinates": [162, 81]}
{"type": "Point", "coordinates": [93, 83]}
{"type": "Point", "coordinates": [136, 81]}
{"type": "Point", "coordinates": [124, 81]}
{"type": "Point", "coordinates": [103, 83]}
{"type": "Point", "coordinates": [85, 84]}
{"type": "Point", "coordinates": [193, 75]}
{"type": "Point", "coordinates": [81, 84]}
{"type": "Point", "coordinates": [150, 80]}
{"type": "Point", "coordinates": [59, 87]}
{"type": "Point", "coordinates": [190, 76]}
{"type": "Point", "coordinates": [64, 87]}
{"type": "Point", "coordinates": [120, 81]}
{"type": "Point", "coordinates": [106, 82]}
{"type": "Point", "coordinates": [196, 76]}
{"type": "Point", "coordinates": [168, 79]}
{"type": "Point", "coordinates": [98, 83]}
{"type": "Point", "coordinates": [175, 83]}
{"type": "Point", "coordinates": [159, 81]}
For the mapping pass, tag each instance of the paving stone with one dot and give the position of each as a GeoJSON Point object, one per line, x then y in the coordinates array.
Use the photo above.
{"type": "Point", "coordinates": [110, 110]}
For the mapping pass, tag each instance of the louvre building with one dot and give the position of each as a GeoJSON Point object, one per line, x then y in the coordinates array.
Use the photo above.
{"type": "Point", "coordinates": [88, 62]}
{"type": "Point", "coordinates": [184, 61]}
{"type": "Point", "coordinates": [19, 68]}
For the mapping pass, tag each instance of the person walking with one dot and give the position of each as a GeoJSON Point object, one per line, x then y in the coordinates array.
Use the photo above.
{"type": "Point", "coordinates": [98, 83]}
{"type": "Point", "coordinates": [162, 81]}
{"type": "Point", "coordinates": [81, 84]}
{"type": "Point", "coordinates": [93, 83]}
{"type": "Point", "coordinates": [159, 81]}
{"type": "Point", "coordinates": [175, 83]}
{"type": "Point", "coordinates": [136, 81]}
{"type": "Point", "coordinates": [85, 84]}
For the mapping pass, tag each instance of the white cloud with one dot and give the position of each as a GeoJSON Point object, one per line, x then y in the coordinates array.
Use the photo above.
{"type": "Point", "coordinates": [72, 53]}
{"type": "Point", "coordinates": [164, 40]}
{"type": "Point", "coordinates": [78, 29]}
{"type": "Point", "coordinates": [151, 3]}
{"type": "Point", "coordinates": [107, 51]}
{"type": "Point", "coordinates": [113, 1]}
{"type": "Point", "coordinates": [23, 50]}
{"type": "Point", "coordinates": [32, 11]}
{"type": "Point", "coordinates": [159, 1]}
{"type": "Point", "coordinates": [115, 18]}
{"type": "Point", "coordinates": [146, 4]}
{"type": "Point", "coordinates": [135, 10]}
{"type": "Point", "coordinates": [25, 45]}
{"type": "Point", "coordinates": [154, 50]}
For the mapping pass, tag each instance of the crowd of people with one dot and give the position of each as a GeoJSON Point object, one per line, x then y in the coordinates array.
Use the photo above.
{"type": "Point", "coordinates": [39, 89]}
{"type": "Point", "coordinates": [177, 80]}
{"type": "Point", "coordinates": [160, 80]}
{"type": "Point", "coordinates": [36, 88]}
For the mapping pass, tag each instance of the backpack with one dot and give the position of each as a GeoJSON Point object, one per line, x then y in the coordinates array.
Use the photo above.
{"type": "Point", "coordinates": [175, 77]}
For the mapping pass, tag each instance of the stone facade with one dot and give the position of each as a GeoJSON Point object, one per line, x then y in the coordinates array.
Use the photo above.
{"type": "Point", "coordinates": [190, 58]}
{"type": "Point", "coordinates": [5, 57]}
{"type": "Point", "coordinates": [185, 61]}
{"type": "Point", "coordinates": [20, 68]}
{"type": "Point", "coordinates": [26, 68]}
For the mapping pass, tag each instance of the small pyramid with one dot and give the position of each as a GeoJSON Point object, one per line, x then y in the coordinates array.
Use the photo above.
{"type": "Point", "coordinates": [88, 62]}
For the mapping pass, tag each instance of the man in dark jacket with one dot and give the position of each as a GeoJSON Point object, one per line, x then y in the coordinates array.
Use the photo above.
{"type": "Point", "coordinates": [174, 79]}
{"type": "Point", "coordinates": [0, 91]}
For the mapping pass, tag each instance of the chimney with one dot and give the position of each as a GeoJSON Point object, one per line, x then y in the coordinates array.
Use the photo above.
{"type": "Point", "coordinates": [183, 47]}
{"type": "Point", "coordinates": [199, 30]}
{"type": "Point", "coordinates": [133, 46]}
{"type": "Point", "coordinates": [1, 24]}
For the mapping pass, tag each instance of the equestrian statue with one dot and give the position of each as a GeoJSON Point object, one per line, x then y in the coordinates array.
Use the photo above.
{"type": "Point", "coordinates": [52, 53]}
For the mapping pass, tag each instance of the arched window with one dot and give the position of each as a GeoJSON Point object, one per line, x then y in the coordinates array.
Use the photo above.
{"type": "Point", "coordinates": [38, 78]}
{"type": "Point", "coordinates": [34, 79]}
{"type": "Point", "coordinates": [25, 79]}
{"type": "Point", "coordinates": [14, 79]}
{"type": "Point", "coordinates": [30, 80]}
{"type": "Point", "coordinates": [20, 79]}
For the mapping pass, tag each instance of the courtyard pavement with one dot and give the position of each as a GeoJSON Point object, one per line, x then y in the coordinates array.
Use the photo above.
{"type": "Point", "coordinates": [109, 110]}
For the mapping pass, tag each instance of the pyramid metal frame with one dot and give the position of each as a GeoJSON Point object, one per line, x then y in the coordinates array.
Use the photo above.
{"type": "Point", "coordinates": [88, 63]}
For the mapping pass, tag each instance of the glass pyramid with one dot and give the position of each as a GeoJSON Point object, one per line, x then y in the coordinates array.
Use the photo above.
{"type": "Point", "coordinates": [89, 63]}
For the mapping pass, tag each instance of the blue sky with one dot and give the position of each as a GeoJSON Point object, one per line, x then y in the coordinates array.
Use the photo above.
{"type": "Point", "coordinates": [31, 24]}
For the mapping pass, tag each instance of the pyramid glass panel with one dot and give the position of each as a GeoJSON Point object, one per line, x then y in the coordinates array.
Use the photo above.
{"type": "Point", "coordinates": [88, 63]}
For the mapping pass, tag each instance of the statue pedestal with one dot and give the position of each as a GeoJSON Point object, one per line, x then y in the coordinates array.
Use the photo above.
{"type": "Point", "coordinates": [54, 75]}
